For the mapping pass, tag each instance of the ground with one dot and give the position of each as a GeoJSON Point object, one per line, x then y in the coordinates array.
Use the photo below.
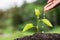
{"type": "Point", "coordinates": [41, 36]}
{"type": "Point", "coordinates": [18, 34]}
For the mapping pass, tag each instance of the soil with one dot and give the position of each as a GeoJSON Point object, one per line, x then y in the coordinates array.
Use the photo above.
{"type": "Point", "coordinates": [41, 36]}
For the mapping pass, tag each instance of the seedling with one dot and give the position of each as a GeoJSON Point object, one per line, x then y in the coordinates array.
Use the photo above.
{"type": "Point", "coordinates": [44, 20]}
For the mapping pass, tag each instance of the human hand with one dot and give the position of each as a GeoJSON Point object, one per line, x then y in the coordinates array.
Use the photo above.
{"type": "Point", "coordinates": [51, 4]}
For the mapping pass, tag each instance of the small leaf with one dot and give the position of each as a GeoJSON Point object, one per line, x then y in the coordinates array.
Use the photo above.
{"type": "Point", "coordinates": [27, 27]}
{"type": "Point", "coordinates": [37, 12]}
{"type": "Point", "coordinates": [46, 21]}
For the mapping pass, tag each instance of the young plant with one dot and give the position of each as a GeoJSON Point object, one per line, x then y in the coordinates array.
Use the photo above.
{"type": "Point", "coordinates": [44, 20]}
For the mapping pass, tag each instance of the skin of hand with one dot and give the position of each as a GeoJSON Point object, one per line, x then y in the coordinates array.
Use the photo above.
{"type": "Point", "coordinates": [51, 4]}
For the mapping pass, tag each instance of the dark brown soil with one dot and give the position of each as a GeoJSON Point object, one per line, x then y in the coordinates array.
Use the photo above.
{"type": "Point", "coordinates": [41, 36]}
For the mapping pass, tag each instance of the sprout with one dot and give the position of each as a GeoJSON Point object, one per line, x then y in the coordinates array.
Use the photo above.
{"type": "Point", "coordinates": [30, 25]}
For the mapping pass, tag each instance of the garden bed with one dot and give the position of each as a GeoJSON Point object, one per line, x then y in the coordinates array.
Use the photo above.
{"type": "Point", "coordinates": [41, 36]}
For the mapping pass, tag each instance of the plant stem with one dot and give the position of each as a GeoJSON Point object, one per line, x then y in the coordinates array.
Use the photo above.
{"type": "Point", "coordinates": [37, 24]}
{"type": "Point", "coordinates": [37, 29]}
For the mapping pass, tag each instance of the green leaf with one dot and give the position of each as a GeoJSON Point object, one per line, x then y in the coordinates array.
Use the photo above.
{"type": "Point", "coordinates": [46, 21]}
{"type": "Point", "coordinates": [37, 12]}
{"type": "Point", "coordinates": [27, 27]}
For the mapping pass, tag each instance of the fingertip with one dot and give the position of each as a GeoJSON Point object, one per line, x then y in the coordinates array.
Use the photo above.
{"type": "Point", "coordinates": [45, 9]}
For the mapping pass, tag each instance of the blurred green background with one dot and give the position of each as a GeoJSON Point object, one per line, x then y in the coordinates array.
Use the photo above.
{"type": "Point", "coordinates": [13, 20]}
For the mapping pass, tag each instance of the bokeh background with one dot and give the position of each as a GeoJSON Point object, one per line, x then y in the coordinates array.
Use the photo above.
{"type": "Point", "coordinates": [15, 14]}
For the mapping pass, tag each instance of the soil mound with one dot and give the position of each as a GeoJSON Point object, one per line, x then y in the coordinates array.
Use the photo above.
{"type": "Point", "coordinates": [41, 36]}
